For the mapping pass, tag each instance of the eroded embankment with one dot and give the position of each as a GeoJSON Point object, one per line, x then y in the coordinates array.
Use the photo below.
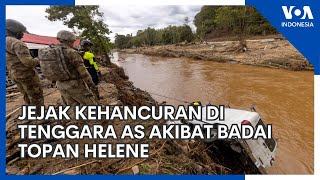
{"type": "Point", "coordinates": [274, 53]}
{"type": "Point", "coordinates": [167, 157]}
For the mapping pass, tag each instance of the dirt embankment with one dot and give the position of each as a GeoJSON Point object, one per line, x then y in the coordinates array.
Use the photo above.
{"type": "Point", "coordinates": [167, 157]}
{"type": "Point", "coordinates": [275, 53]}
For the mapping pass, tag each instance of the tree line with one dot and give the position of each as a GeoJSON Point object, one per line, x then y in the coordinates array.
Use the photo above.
{"type": "Point", "coordinates": [151, 37]}
{"type": "Point", "coordinates": [211, 22]}
{"type": "Point", "coordinates": [215, 21]}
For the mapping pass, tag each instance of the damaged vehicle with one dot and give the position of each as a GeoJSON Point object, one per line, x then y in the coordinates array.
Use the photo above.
{"type": "Point", "coordinates": [258, 152]}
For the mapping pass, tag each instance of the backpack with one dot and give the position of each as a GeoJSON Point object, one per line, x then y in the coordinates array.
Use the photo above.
{"type": "Point", "coordinates": [53, 64]}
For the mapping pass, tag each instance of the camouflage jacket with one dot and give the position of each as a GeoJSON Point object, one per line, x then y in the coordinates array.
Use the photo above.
{"type": "Point", "coordinates": [76, 66]}
{"type": "Point", "coordinates": [19, 61]}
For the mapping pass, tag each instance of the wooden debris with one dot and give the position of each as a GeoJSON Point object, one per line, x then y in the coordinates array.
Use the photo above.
{"type": "Point", "coordinates": [12, 112]}
{"type": "Point", "coordinates": [12, 169]}
{"type": "Point", "coordinates": [72, 172]}
{"type": "Point", "coordinates": [13, 94]}
{"type": "Point", "coordinates": [13, 155]}
{"type": "Point", "coordinates": [75, 167]}
{"type": "Point", "coordinates": [24, 171]}
{"type": "Point", "coordinates": [13, 161]}
{"type": "Point", "coordinates": [35, 169]}
{"type": "Point", "coordinates": [13, 143]}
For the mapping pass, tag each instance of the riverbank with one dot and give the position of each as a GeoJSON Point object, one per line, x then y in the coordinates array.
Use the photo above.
{"type": "Point", "coordinates": [279, 96]}
{"type": "Point", "coordinates": [273, 53]}
{"type": "Point", "coordinates": [167, 157]}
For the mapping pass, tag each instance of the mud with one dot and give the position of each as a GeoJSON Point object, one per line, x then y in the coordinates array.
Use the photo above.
{"type": "Point", "coordinates": [278, 95]}
{"type": "Point", "coordinates": [273, 53]}
{"type": "Point", "coordinates": [167, 157]}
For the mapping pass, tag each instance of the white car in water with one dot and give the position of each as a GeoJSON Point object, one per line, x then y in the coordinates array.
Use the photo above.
{"type": "Point", "coordinates": [261, 152]}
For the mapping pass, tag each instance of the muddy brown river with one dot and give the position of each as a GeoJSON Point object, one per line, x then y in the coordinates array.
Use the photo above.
{"type": "Point", "coordinates": [283, 98]}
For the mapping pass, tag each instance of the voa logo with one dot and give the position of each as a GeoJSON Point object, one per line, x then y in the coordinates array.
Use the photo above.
{"type": "Point", "coordinates": [297, 17]}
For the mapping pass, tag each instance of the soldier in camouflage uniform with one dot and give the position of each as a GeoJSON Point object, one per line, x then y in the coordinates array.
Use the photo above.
{"type": "Point", "coordinates": [21, 64]}
{"type": "Point", "coordinates": [78, 91]}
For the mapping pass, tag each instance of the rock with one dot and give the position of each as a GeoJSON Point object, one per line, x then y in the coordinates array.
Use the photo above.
{"type": "Point", "coordinates": [199, 168]}
{"type": "Point", "coordinates": [135, 169]}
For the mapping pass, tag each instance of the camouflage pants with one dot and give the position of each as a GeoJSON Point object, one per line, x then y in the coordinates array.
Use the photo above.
{"type": "Point", "coordinates": [74, 93]}
{"type": "Point", "coordinates": [31, 89]}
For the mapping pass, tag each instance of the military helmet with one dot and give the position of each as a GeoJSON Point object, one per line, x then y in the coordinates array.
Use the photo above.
{"type": "Point", "coordinates": [15, 26]}
{"type": "Point", "coordinates": [86, 42]}
{"type": "Point", "coordinates": [66, 36]}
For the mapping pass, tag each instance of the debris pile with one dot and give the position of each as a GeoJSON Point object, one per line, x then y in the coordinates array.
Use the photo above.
{"type": "Point", "coordinates": [166, 156]}
{"type": "Point", "coordinates": [273, 53]}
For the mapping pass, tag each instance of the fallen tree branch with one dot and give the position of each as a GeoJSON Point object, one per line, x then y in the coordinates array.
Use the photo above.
{"type": "Point", "coordinates": [75, 167]}
{"type": "Point", "coordinates": [12, 144]}
{"type": "Point", "coordinates": [13, 161]}
{"type": "Point", "coordinates": [36, 169]}
{"type": "Point", "coordinates": [12, 112]}
{"type": "Point", "coordinates": [130, 167]}
{"type": "Point", "coordinates": [121, 170]}
{"type": "Point", "coordinates": [13, 94]}
{"type": "Point", "coordinates": [13, 155]}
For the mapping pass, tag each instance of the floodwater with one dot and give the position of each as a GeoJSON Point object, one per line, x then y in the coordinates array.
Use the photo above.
{"type": "Point", "coordinates": [283, 98]}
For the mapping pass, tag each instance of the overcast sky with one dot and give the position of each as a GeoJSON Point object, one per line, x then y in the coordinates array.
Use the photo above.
{"type": "Point", "coordinates": [120, 19]}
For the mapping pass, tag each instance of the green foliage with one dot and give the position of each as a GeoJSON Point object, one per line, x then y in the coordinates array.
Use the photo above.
{"type": "Point", "coordinates": [123, 41]}
{"type": "Point", "coordinates": [151, 37]}
{"type": "Point", "coordinates": [185, 33]}
{"type": "Point", "coordinates": [258, 25]}
{"type": "Point", "coordinates": [87, 20]}
{"type": "Point", "coordinates": [204, 20]}
{"type": "Point", "coordinates": [234, 19]}
{"type": "Point", "coordinates": [216, 20]}
{"type": "Point", "coordinates": [231, 20]}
